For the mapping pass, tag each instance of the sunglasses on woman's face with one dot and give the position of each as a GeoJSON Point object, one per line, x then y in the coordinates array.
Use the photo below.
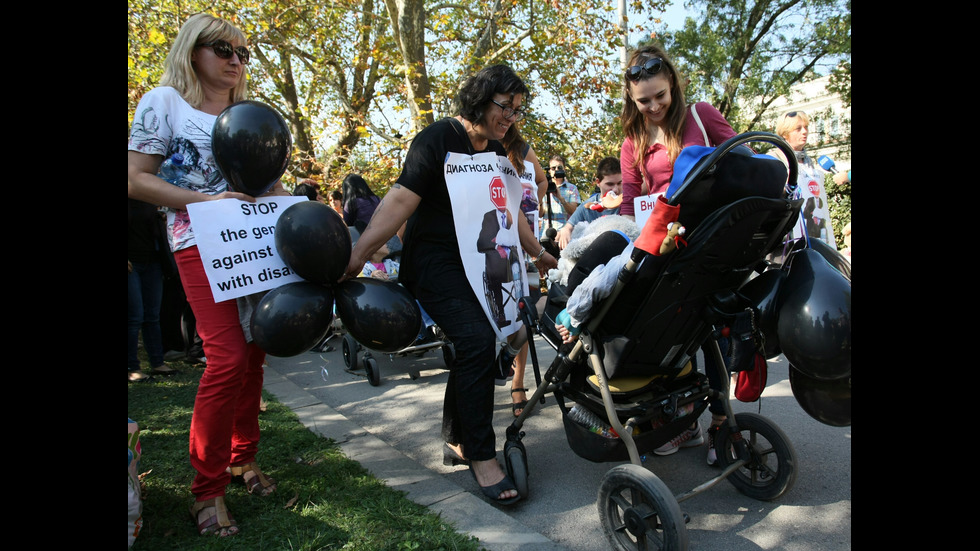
{"type": "Point", "coordinates": [224, 49]}
{"type": "Point", "coordinates": [650, 67]}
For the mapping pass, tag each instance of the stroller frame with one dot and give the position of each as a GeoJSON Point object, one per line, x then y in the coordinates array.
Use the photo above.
{"type": "Point", "coordinates": [432, 339]}
{"type": "Point", "coordinates": [636, 508]}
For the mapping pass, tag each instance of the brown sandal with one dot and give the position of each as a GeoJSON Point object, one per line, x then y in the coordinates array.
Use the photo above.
{"type": "Point", "coordinates": [220, 522]}
{"type": "Point", "coordinates": [257, 481]}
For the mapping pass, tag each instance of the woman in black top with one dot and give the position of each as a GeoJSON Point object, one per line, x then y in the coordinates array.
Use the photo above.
{"type": "Point", "coordinates": [432, 267]}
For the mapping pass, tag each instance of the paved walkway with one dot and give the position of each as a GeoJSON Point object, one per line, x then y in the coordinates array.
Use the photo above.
{"type": "Point", "coordinates": [470, 514]}
{"type": "Point", "coordinates": [393, 431]}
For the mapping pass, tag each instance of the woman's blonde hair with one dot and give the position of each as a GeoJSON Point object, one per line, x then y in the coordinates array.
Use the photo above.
{"type": "Point", "coordinates": [178, 71]}
{"type": "Point", "coordinates": [787, 122]}
{"type": "Point", "coordinates": [634, 123]}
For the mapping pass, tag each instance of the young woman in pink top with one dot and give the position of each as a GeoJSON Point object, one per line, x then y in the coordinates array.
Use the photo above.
{"type": "Point", "coordinates": [658, 123]}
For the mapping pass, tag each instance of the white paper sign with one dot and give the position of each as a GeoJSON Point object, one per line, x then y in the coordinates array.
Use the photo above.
{"type": "Point", "coordinates": [485, 193]}
{"type": "Point", "coordinates": [529, 198]}
{"type": "Point", "coordinates": [237, 243]}
{"type": "Point", "coordinates": [643, 207]}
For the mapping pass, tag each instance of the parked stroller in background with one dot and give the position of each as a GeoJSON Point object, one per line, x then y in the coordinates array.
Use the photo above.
{"type": "Point", "coordinates": [428, 336]}
{"type": "Point", "coordinates": [631, 366]}
{"type": "Point", "coordinates": [430, 339]}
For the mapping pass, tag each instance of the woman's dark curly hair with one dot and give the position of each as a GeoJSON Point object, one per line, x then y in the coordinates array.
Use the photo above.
{"type": "Point", "coordinates": [478, 90]}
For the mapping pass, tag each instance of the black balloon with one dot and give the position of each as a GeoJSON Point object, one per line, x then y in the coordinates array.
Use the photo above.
{"type": "Point", "coordinates": [292, 318]}
{"type": "Point", "coordinates": [251, 144]}
{"type": "Point", "coordinates": [830, 254]}
{"type": "Point", "coordinates": [814, 324]}
{"type": "Point", "coordinates": [314, 242]}
{"type": "Point", "coordinates": [381, 315]}
{"type": "Point", "coordinates": [762, 292]}
{"type": "Point", "coordinates": [826, 401]}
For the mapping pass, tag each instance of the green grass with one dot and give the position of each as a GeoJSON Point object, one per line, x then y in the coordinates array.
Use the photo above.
{"type": "Point", "coordinates": [324, 500]}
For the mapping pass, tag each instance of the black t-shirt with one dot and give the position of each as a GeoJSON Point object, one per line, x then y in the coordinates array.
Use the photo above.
{"type": "Point", "coordinates": [430, 257]}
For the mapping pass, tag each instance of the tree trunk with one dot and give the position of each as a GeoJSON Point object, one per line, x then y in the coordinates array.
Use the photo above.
{"type": "Point", "coordinates": [408, 25]}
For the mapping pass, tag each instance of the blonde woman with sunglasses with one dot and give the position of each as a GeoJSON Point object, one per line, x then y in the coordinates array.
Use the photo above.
{"type": "Point", "coordinates": [203, 74]}
{"type": "Point", "coordinates": [658, 123]}
{"type": "Point", "coordinates": [794, 127]}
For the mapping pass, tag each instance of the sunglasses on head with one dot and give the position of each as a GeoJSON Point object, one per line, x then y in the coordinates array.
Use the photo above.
{"type": "Point", "coordinates": [650, 67]}
{"type": "Point", "coordinates": [792, 114]}
{"type": "Point", "coordinates": [224, 49]}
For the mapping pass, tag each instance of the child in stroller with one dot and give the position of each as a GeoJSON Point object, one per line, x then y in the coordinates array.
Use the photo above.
{"type": "Point", "coordinates": [633, 369]}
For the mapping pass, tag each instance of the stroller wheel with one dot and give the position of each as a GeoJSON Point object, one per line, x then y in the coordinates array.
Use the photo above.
{"type": "Point", "coordinates": [515, 458]}
{"type": "Point", "coordinates": [638, 511]}
{"type": "Point", "coordinates": [771, 470]}
{"type": "Point", "coordinates": [449, 354]}
{"type": "Point", "coordinates": [373, 371]}
{"type": "Point", "coordinates": [349, 348]}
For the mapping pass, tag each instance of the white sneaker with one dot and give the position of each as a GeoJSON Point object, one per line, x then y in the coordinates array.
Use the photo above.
{"type": "Point", "coordinates": [712, 454]}
{"type": "Point", "coordinates": [687, 439]}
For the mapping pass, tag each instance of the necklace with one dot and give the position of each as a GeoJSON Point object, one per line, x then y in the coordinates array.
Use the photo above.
{"type": "Point", "coordinates": [658, 136]}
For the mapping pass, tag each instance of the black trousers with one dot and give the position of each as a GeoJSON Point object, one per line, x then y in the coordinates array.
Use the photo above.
{"type": "Point", "coordinates": [467, 417]}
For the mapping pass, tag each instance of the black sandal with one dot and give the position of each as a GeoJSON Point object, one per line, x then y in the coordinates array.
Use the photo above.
{"type": "Point", "coordinates": [518, 405]}
{"type": "Point", "coordinates": [493, 492]}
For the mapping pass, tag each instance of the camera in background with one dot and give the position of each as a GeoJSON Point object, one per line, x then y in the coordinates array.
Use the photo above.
{"type": "Point", "coordinates": [552, 188]}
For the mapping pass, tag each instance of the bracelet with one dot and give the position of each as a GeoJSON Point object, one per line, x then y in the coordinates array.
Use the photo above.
{"type": "Point", "coordinates": [540, 253]}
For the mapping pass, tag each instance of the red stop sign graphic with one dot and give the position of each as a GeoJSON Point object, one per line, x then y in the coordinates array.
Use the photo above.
{"type": "Point", "coordinates": [498, 195]}
{"type": "Point", "coordinates": [814, 188]}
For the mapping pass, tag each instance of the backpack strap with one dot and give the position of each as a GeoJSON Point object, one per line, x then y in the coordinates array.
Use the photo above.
{"type": "Point", "coordinates": [697, 119]}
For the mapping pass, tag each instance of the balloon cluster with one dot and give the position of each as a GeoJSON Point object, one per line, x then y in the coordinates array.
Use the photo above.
{"type": "Point", "coordinates": [251, 144]}
{"type": "Point", "coordinates": [315, 244]}
{"type": "Point", "coordinates": [805, 313]}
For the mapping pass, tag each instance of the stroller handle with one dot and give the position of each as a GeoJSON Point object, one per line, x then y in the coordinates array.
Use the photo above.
{"type": "Point", "coordinates": [726, 147]}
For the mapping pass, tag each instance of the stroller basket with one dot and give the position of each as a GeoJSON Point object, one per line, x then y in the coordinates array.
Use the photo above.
{"type": "Point", "coordinates": [599, 449]}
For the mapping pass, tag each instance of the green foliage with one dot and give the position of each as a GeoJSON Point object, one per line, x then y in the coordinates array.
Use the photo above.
{"type": "Point", "coordinates": [342, 75]}
{"type": "Point", "coordinates": [757, 49]}
{"type": "Point", "coordinates": [324, 500]}
{"type": "Point", "coordinates": [840, 82]}
{"type": "Point", "coordinates": [839, 197]}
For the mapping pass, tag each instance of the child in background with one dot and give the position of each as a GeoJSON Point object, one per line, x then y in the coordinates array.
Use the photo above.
{"type": "Point", "coordinates": [386, 269]}
{"type": "Point", "coordinates": [380, 267]}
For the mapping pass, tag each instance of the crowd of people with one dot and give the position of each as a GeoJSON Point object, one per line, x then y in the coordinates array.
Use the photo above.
{"type": "Point", "coordinates": [426, 209]}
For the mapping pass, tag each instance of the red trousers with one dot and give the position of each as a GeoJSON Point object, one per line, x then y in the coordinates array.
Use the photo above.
{"type": "Point", "coordinates": [225, 422]}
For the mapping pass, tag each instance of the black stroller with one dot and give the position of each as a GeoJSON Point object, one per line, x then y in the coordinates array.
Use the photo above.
{"type": "Point", "coordinates": [432, 338]}
{"type": "Point", "coordinates": [631, 365]}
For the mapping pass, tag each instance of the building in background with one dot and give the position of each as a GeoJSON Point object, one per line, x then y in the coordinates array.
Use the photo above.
{"type": "Point", "coordinates": [830, 120]}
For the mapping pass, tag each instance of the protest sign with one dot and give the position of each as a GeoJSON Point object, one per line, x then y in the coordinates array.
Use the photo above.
{"type": "Point", "coordinates": [237, 243]}
{"type": "Point", "coordinates": [643, 206]}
